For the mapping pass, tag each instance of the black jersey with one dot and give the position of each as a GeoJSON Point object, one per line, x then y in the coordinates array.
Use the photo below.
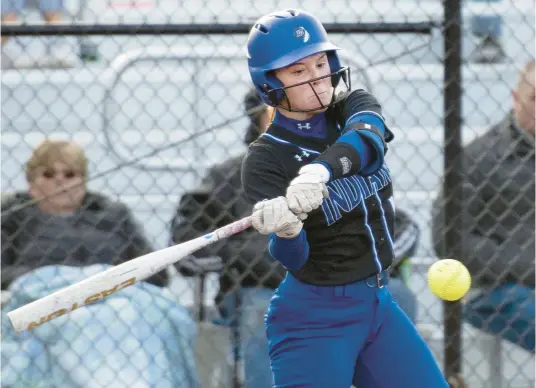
{"type": "Point", "coordinates": [350, 234]}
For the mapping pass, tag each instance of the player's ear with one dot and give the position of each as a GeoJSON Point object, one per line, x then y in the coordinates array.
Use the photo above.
{"type": "Point", "coordinates": [273, 88]}
{"type": "Point", "coordinates": [273, 95]}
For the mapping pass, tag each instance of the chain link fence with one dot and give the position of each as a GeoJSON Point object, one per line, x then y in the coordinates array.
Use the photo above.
{"type": "Point", "coordinates": [161, 118]}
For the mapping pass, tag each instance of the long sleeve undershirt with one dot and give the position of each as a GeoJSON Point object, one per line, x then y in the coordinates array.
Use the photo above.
{"type": "Point", "coordinates": [291, 252]}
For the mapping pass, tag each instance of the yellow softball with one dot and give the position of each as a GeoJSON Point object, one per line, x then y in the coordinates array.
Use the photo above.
{"type": "Point", "coordinates": [449, 279]}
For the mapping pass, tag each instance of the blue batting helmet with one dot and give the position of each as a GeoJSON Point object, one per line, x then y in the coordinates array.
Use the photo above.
{"type": "Point", "coordinates": [282, 38]}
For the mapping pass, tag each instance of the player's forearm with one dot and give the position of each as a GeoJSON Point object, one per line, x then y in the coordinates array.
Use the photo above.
{"type": "Point", "coordinates": [360, 150]}
{"type": "Point", "coordinates": [365, 132]}
{"type": "Point", "coordinates": [290, 252]}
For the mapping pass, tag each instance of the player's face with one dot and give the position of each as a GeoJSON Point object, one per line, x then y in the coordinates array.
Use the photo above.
{"type": "Point", "coordinates": [524, 103]}
{"type": "Point", "coordinates": [315, 95]}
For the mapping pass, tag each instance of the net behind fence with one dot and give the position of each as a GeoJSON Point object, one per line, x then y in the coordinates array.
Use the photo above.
{"type": "Point", "coordinates": [118, 144]}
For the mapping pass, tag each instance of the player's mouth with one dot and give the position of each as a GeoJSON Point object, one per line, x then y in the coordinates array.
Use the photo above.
{"type": "Point", "coordinates": [319, 94]}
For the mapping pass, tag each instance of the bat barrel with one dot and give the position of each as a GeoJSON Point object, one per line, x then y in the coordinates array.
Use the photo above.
{"type": "Point", "coordinates": [108, 282]}
{"type": "Point", "coordinates": [72, 297]}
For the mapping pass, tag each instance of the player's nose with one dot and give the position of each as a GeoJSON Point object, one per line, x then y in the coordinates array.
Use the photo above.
{"type": "Point", "coordinates": [315, 73]}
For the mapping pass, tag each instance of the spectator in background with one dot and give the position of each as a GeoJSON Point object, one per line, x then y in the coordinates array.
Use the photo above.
{"type": "Point", "coordinates": [69, 226]}
{"type": "Point", "coordinates": [487, 28]}
{"type": "Point", "coordinates": [497, 224]}
{"type": "Point", "coordinates": [58, 54]}
{"type": "Point", "coordinates": [58, 233]}
{"type": "Point", "coordinates": [405, 243]}
{"type": "Point", "coordinates": [220, 200]}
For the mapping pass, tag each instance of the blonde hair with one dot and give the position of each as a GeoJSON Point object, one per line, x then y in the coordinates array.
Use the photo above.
{"type": "Point", "coordinates": [50, 152]}
{"type": "Point", "coordinates": [271, 112]}
{"type": "Point", "coordinates": [530, 66]}
{"type": "Point", "coordinates": [524, 75]}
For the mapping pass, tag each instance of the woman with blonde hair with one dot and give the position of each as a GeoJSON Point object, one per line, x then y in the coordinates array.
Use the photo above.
{"type": "Point", "coordinates": [58, 221]}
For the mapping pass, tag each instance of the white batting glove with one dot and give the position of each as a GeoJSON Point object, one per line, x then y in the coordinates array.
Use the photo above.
{"type": "Point", "coordinates": [274, 216]}
{"type": "Point", "coordinates": [307, 191]}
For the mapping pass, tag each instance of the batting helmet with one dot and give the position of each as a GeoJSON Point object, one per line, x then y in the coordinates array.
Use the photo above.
{"type": "Point", "coordinates": [280, 39]}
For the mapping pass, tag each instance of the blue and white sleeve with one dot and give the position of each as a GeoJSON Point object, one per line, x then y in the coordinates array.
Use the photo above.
{"type": "Point", "coordinates": [361, 147]}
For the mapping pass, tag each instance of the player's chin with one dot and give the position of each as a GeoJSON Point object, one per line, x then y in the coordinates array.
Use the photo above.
{"type": "Point", "coordinates": [318, 106]}
{"type": "Point", "coordinates": [321, 99]}
{"type": "Point", "coordinates": [319, 110]}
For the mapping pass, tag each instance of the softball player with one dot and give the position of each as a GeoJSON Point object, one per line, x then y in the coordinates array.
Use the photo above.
{"type": "Point", "coordinates": [323, 193]}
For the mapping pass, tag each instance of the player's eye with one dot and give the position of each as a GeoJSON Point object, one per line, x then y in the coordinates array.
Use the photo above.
{"type": "Point", "coordinates": [321, 65]}
{"type": "Point", "coordinates": [297, 72]}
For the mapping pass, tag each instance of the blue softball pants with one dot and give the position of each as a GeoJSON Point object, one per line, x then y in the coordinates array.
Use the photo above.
{"type": "Point", "coordinates": [336, 336]}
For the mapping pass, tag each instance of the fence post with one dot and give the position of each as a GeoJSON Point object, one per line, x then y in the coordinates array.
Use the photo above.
{"type": "Point", "coordinates": [452, 95]}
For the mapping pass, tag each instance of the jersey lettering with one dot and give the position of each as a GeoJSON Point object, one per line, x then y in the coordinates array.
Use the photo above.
{"type": "Point", "coordinates": [345, 194]}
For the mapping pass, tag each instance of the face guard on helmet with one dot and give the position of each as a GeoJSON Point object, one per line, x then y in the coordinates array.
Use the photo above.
{"type": "Point", "coordinates": [280, 39]}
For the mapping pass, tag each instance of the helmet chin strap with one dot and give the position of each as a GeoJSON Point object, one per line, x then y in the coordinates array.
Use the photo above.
{"type": "Point", "coordinates": [283, 101]}
{"type": "Point", "coordinates": [285, 104]}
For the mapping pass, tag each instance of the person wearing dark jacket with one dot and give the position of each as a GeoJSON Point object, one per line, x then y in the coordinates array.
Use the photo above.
{"type": "Point", "coordinates": [248, 269]}
{"type": "Point", "coordinates": [219, 200]}
{"type": "Point", "coordinates": [497, 223]}
{"type": "Point", "coordinates": [58, 222]}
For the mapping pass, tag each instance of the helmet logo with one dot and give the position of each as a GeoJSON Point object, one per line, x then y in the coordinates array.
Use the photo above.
{"type": "Point", "coordinates": [301, 33]}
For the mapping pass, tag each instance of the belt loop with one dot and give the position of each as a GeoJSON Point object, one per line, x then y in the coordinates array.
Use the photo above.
{"type": "Point", "coordinates": [379, 282]}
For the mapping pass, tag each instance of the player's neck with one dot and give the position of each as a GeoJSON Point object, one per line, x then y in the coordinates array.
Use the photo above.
{"type": "Point", "coordinates": [299, 116]}
{"type": "Point", "coordinates": [315, 126]}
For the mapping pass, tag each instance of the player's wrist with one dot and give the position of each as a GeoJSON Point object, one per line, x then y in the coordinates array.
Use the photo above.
{"type": "Point", "coordinates": [290, 232]}
{"type": "Point", "coordinates": [286, 236]}
{"type": "Point", "coordinates": [342, 158]}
